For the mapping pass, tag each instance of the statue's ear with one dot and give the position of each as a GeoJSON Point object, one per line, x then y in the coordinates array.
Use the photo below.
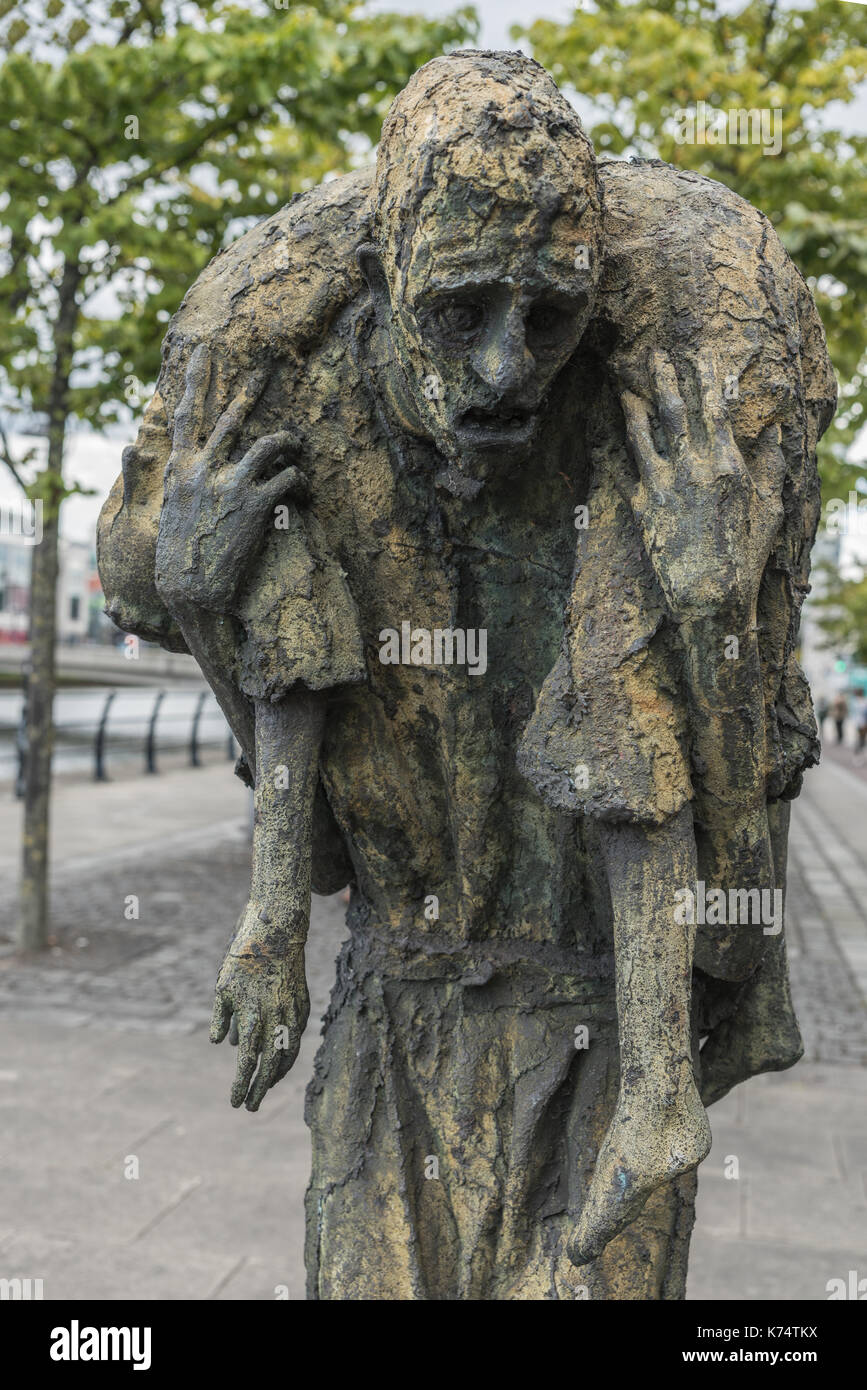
{"type": "Point", "coordinates": [371, 266]}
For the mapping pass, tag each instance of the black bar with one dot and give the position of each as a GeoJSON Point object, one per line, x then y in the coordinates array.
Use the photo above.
{"type": "Point", "coordinates": [99, 771]}
{"type": "Point", "coordinates": [195, 761]}
{"type": "Point", "coordinates": [151, 745]}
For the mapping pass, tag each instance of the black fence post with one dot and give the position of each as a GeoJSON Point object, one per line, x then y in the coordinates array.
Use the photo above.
{"type": "Point", "coordinates": [151, 745]}
{"type": "Point", "coordinates": [195, 760]}
{"type": "Point", "coordinates": [99, 772]}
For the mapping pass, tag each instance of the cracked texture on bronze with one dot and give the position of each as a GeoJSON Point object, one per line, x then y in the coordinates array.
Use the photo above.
{"type": "Point", "coordinates": [464, 1145]}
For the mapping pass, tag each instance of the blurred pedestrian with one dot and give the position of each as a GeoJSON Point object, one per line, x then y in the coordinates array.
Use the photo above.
{"type": "Point", "coordinates": [859, 714]}
{"type": "Point", "coordinates": [839, 710]}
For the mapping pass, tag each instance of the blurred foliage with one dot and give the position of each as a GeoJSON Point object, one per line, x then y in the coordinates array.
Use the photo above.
{"type": "Point", "coordinates": [139, 137]}
{"type": "Point", "coordinates": [641, 63]}
{"type": "Point", "coordinates": [843, 614]}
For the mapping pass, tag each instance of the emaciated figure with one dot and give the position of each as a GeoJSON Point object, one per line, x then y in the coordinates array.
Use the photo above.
{"type": "Point", "coordinates": [387, 405]}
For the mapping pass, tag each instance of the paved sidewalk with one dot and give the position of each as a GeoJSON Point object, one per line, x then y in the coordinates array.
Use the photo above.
{"type": "Point", "coordinates": [796, 1216]}
{"type": "Point", "coordinates": [104, 1059]}
{"type": "Point", "coordinates": [98, 823]}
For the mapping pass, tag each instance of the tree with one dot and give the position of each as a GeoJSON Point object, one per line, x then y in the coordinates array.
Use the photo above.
{"type": "Point", "coordinates": [133, 146]}
{"type": "Point", "coordinates": [644, 64]}
{"type": "Point", "coordinates": [843, 615]}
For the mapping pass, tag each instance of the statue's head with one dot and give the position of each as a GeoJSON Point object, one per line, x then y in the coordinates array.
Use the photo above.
{"type": "Point", "coordinates": [486, 255]}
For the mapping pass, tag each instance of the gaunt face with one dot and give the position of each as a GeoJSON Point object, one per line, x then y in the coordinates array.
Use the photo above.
{"type": "Point", "coordinates": [482, 320]}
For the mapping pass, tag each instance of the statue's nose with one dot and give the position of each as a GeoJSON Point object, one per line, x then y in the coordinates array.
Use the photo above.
{"type": "Point", "coordinates": [503, 361]}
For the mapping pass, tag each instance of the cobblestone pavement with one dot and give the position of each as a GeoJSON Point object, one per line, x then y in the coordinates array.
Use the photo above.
{"type": "Point", "coordinates": [796, 1214]}
{"type": "Point", "coordinates": [827, 915]}
{"type": "Point", "coordinates": [104, 1056]}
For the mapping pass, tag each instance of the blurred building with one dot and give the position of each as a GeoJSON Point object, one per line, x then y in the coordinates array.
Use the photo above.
{"type": "Point", "coordinates": [14, 589]}
{"type": "Point", "coordinates": [817, 657]}
{"type": "Point", "coordinates": [79, 595]}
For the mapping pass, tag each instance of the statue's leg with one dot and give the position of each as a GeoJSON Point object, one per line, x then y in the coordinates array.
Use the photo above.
{"type": "Point", "coordinates": [425, 1112]}
{"type": "Point", "coordinates": [361, 1240]}
{"type": "Point", "coordinates": [455, 1128]}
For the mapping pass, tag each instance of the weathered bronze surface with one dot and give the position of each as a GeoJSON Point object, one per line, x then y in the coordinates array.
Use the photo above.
{"type": "Point", "coordinates": [566, 414]}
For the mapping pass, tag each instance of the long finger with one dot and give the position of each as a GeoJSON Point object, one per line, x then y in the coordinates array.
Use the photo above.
{"type": "Point", "coordinates": [287, 1057]}
{"type": "Point", "coordinates": [630, 368]}
{"type": "Point", "coordinates": [767, 461]}
{"type": "Point", "coordinates": [652, 468]}
{"type": "Point", "coordinates": [269, 1066]}
{"type": "Point", "coordinates": [220, 1018]}
{"type": "Point", "coordinates": [669, 402]}
{"type": "Point", "coordinates": [287, 1062]}
{"type": "Point", "coordinates": [249, 1041]}
{"type": "Point", "coordinates": [233, 418]}
{"type": "Point", "coordinates": [714, 412]}
{"type": "Point", "coordinates": [257, 462]}
{"type": "Point", "coordinates": [135, 463]}
{"type": "Point", "coordinates": [190, 412]}
{"type": "Point", "coordinates": [291, 482]}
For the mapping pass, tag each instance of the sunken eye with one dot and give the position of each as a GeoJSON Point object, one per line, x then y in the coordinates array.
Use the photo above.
{"type": "Point", "coordinates": [459, 320]}
{"type": "Point", "coordinates": [548, 323]}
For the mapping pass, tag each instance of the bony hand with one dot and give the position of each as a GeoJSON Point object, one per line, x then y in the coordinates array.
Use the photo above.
{"type": "Point", "coordinates": [708, 522]}
{"type": "Point", "coordinates": [262, 983]}
{"type": "Point", "coordinates": [215, 512]}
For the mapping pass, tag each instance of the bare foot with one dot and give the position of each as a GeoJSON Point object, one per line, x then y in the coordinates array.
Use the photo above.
{"type": "Point", "coordinates": [646, 1145]}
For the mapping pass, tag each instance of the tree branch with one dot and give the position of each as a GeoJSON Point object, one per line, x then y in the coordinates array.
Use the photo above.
{"type": "Point", "coordinates": [6, 456]}
{"type": "Point", "coordinates": [770, 16]}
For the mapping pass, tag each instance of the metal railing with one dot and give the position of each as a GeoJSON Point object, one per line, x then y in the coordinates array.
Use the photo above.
{"type": "Point", "coordinates": [123, 724]}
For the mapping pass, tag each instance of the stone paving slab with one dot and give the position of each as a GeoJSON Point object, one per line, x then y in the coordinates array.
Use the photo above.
{"type": "Point", "coordinates": [93, 822]}
{"type": "Point", "coordinates": [216, 1187]}
{"type": "Point", "coordinates": [828, 874]}
{"type": "Point", "coordinates": [733, 1269]}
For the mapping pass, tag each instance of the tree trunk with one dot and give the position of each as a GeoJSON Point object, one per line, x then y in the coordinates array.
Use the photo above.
{"type": "Point", "coordinates": [33, 927]}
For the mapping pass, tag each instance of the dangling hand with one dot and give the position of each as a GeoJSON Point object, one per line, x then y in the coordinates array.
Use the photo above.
{"type": "Point", "coordinates": [262, 982]}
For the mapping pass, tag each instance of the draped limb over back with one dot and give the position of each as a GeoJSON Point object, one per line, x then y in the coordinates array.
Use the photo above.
{"type": "Point", "coordinates": [455, 1121]}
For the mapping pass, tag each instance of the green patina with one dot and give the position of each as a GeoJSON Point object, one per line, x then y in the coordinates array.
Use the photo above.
{"type": "Point", "coordinates": [383, 405]}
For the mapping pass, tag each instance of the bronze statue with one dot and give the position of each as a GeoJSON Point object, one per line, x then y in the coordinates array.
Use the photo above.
{"type": "Point", "coordinates": [482, 488]}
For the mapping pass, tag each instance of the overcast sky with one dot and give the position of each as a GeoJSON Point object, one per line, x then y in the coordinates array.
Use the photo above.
{"type": "Point", "coordinates": [498, 16]}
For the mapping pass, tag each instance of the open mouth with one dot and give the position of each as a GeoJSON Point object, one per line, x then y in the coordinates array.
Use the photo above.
{"type": "Point", "coordinates": [507, 425]}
